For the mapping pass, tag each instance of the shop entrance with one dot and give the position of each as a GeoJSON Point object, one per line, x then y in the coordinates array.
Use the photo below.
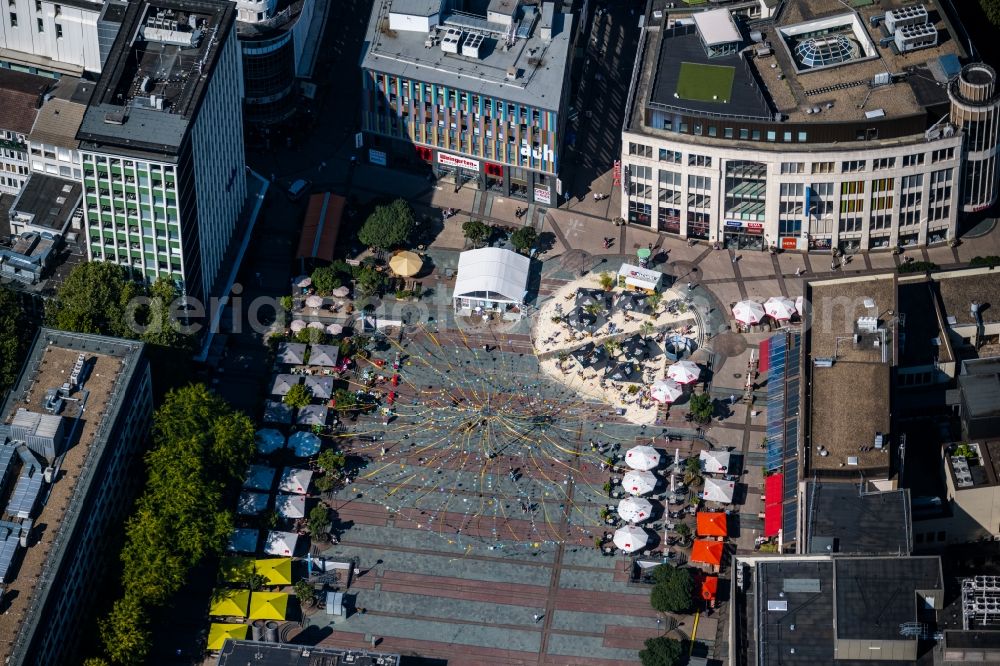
{"type": "Point", "coordinates": [739, 237]}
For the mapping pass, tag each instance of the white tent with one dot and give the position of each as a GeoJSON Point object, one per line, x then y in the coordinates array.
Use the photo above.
{"type": "Point", "coordinates": [748, 312]}
{"type": "Point", "coordinates": [642, 457]}
{"type": "Point", "coordinates": [297, 325]}
{"type": "Point", "coordinates": [642, 278]}
{"type": "Point", "coordinates": [779, 308]}
{"type": "Point", "coordinates": [276, 411]}
{"type": "Point", "coordinates": [334, 329]}
{"type": "Point", "coordinates": [320, 386]}
{"type": "Point", "coordinates": [719, 491]}
{"type": "Point", "coordinates": [634, 509]}
{"type": "Point", "coordinates": [269, 440]}
{"type": "Point", "coordinates": [243, 540]}
{"type": "Point", "coordinates": [283, 383]}
{"type": "Point", "coordinates": [312, 415]}
{"type": "Point", "coordinates": [323, 355]}
{"type": "Point", "coordinates": [304, 444]}
{"type": "Point", "coordinates": [251, 503]}
{"type": "Point", "coordinates": [684, 372]}
{"type": "Point", "coordinates": [715, 462]}
{"type": "Point", "coordinates": [666, 390]}
{"type": "Point", "coordinates": [295, 480]}
{"type": "Point", "coordinates": [631, 538]}
{"type": "Point", "coordinates": [281, 543]}
{"type": "Point", "coordinates": [260, 477]}
{"type": "Point", "coordinates": [490, 278]}
{"type": "Point", "coordinates": [291, 506]}
{"type": "Point", "coordinates": [638, 483]}
{"type": "Point", "coordinates": [291, 353]}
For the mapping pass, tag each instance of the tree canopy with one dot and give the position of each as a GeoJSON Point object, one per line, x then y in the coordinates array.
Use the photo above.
{"type": "Point", "coordinates": [14, 339]}
{"type": "Point", "coordinates": [701, 407]}
{"type": "Point", "coordinates": [661, 651]}
{"type": "Point", "coordinates": [992, 10]}
{"type": "Point", "coordinates": [524, 238]}
{"type": "Point", "coordinates": [298, 396]}
{"type": "Point", "coordinates": [476, 231]}
{"type": "Point", "coordinates": [673, 590]}
{"type": "Point", "coordinates": [326, 279]}
{"type": "Point", "coordinates": [94, 299]}
{"type": "Point", "coordinates": [389, 226]}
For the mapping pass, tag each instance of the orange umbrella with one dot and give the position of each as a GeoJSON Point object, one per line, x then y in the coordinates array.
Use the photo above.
{"type": "Point", "coordinates": [707, 552]}
{"type": "Point", "coordinates": [712, 523]}
{"type": "Point", "coordinates": [709, 587]}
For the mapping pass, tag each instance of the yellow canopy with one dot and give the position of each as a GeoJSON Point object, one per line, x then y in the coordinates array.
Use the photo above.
{"type": "Point", "coordinates": [236, 569]}
{"type": "Point", "coordinates": [218, 633]}
{"type": "Point", "coordinates": [229, 603]}
{"type": "Point", "coordinates": [277, 570]}
{"type": "Point", "coordinates": [406, 264]}
{"type": "Point", "coordinates": [268, 606]}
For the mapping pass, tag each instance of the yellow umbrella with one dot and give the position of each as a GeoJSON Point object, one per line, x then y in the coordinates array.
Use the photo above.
{"type": "Point", "coordinates": [229, 603]}
{"type": "Point", "coordinates": [277, 570]}
{"type": "Point", "coordinates": [219, 633]}
{"type": "Point", "coordinates": [236, 569]}
{"type": "Point", "coordinates": [406, 264]}
{"type": "Point", "coordinates": [268, 606]}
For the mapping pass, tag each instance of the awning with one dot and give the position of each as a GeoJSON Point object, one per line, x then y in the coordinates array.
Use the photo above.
{"type": "Point", "coordinates": [763, 362]}
{"type": "Point", "coordinates": [707, 552]}
{"type": "Point", "coordinates": [712, 523]}
{"type": "Point", "coordinates": [276, 570]}
{"type": "Point", "coordinates": [219, 633]}
{"type": "Point", "coordinates": [321, 226]}
{"type": "Point", "coordinates": [229, 603]}
{"type": "Point", "coordinates": [268, 606]}
{"type": "Point", "coordinates": [709, 588]}
{"type": "Point", "coordinates": [772, 504]}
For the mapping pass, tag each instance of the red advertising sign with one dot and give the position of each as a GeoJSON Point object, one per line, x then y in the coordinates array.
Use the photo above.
{"type": "Point", "coordinates": [789, 243]}
{"type": "Point", "coordinates": [458, 161]}
{"type": "Point", "coordinates": [618, 172]}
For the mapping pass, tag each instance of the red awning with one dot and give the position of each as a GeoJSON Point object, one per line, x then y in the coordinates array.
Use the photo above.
{"type": "Point", "coordinates": [321, 226]}
{"type": "Point", "coordinates": [707, 552]}
{"type": "Point", "coordinates": [773, 488]}
{"type": "Point", "coordinates": [763, 363]}
{"type": "Point", "coordinates": [712, 523]}
{"type": "Point", "coordinates": [709, 588]}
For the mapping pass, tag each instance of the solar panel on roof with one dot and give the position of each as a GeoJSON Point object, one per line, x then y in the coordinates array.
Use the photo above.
{"type": "Point", "coordinates": [8, 547]}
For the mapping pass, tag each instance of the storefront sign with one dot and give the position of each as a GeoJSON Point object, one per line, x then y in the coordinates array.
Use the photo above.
{"type": "Point", "coordinates": [458, 161]}
{"type": "Point", "coordinates": [542, 195]}
{"type": "Point", "coordinates": [755, 225]}
{"type": "Point", "coordinates": [618, 173]}
{"type": "Point", "coordinates": [376, 157]}
{"type": "Point", "coordinates": [732, 224]}
{"type": "Point", "coordinates": [789, 243]}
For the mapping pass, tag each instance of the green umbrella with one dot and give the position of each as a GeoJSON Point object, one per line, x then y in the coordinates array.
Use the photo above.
{"type": "Point", "coordinates": [644, 253]}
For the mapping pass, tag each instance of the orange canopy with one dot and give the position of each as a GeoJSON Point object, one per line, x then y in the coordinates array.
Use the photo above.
{"type": "Point", "coordinates": [712, 523]}
{"type": "Point", "coordinates": [709, 587]}
{"type": "Point", "coordinates": [707, 552]}
{"type": "Point", "coordinates": [321, 226]}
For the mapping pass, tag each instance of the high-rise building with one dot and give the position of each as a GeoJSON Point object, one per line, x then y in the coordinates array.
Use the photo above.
{"type": "Point", "coordinates": [481, 97]}
{"type": "Point", "coordinates": [162, 144]}
{"type": "Point", "coordinates": [70, 427]}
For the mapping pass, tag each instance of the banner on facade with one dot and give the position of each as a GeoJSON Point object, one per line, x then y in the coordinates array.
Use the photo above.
{"type": "Point", "coordinates": [376, 157]}
{"type": "Point", "coordinates": [618, 173]}
{"type": "Point", "coordinates": [542, 195]}
{"type": "Point", "coordinates": [458, 161]}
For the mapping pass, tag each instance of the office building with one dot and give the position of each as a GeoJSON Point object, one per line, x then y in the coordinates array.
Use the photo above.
{"type": "Point", "coordinates": [819, 127]}
{"type": "Point", "coordinates": [161, 144]}
{"type": "Point", "coordinates": [57, 38]}
{"type": "Point", "coordinates": [481, 98]}
{"type": "Point", "coordinates": [52, 143]}
{"type": "Point", "coordinates": [279, 41]}
{"type": "Point", "coordinates": [71, 425]}
{"type": "Point", "coordinates": [22, 96]}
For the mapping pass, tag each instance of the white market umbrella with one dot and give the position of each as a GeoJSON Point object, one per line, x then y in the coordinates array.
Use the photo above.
{"type": "Point", "coordinates": [634, 509]}
{"type": "Point", "coordinates": [717, 490]}
{"type": "Point", "coordinates": [295, 480]}
{"type": "Point", "coordinates": [638, 482]}
{"type": "Point", "coordinates": [779, 308]}
{"type": "Point", "coordinates": [304, 444]}
{"type": "Point", "coordinates": [340, 292]}
{"type": "Point", "coordinates": [684, 372]}
{"type": "Point", "coordinates": [631, 538]}
{"type": "Point", "coordinates": [748, 312]}
{"type": "Point", "coordinates": [314, 301]}
{"type": "Point", "coordinates": [666, 390]}
{"type": "Point", "coordinates": [291, 506]}
{"type": "Point", "coordinates": [302, 281]}
{"type": "Point", "coordinates": [269, 440]}
{"type": "Point", "coordinates": [297, 325]}
{"type": "Point", "coordinates": [800, 305]}
{"type": "Point", "coordinates": [334, 329]}
{"type": "Point", "coordinates": [642, 457]}
{"type": "Point", "coordinates": [318, 325]}
{"type": "Point", "coordinates": [281, 543]}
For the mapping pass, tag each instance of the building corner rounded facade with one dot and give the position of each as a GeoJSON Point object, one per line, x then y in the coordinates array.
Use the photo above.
{"type": "Point", "coordinates": [975, 110]}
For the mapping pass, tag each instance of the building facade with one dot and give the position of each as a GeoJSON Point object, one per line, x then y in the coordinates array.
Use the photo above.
{"type": "Point", "coordinates": [54, 38]}
{"type": "Point", "coordinates": [20, 98]}
{"type": "Point", "coordinates": [52, 588]}
{"type": "Point", "coordinates": [486, 103]}
{"type": "Point", "coordinates": [805, 146]}
{"type": "Point", "coordinates": [164, 174]}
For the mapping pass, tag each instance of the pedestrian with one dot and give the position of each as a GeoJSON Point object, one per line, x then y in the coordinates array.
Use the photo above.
{"type": "Point", "coordinates": [735, 257]}
{"type": "Point", "coordinates": [798, 272]}
{"type": "Point", "coordinates": [690, 286]}
{"type": "Point", "coordinates": [537, 617]}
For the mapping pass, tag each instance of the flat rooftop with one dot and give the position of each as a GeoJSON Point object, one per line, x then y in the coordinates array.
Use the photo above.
{"type": "Point", "coordinates": [958, 289]}
{"type": "Point", "coordinates": [849, 401]}
{"type": "Point", "coordinates": [850, 520]}
{"type": "Point", "coordinates": [156, 74]}
{"type": "Point", "coordinates": [776, 82]}
{"type": "Point", "coordinates": [800, 592]}
{"type": "Point", "coordinates": [922, 341]}
{"type": "Point", "coordinates": [540, 64]}
{"type": "Point", "coordinates": [979, 472]}
{"type": "Point", "coordinates": [240, 653]}
{"type": "Point", "coordinates": [48, 365]}
{"type": "Point", "coordinates": [22, 96]}
{"type": "Point", "coordinates": [48, 200]}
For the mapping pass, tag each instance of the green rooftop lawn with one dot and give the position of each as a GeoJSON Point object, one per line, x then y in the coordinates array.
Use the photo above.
{"type": "Point", "coordinates": [705, 83]}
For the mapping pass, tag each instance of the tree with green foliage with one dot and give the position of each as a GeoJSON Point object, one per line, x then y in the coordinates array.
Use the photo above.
{"type": "Point", "coordinates": [319, 519]}
{"type": "Point", "coordinates": [125, 632]}
{"type": "Point", "coordinates": [524, 238]}
{"type": "Point", "coordinates": [325, 279]}
{"type": "Point", "coordinates": [345, 400]}
{"type": "Point", "coordinates": [14, 339]}
{"type": "Point", "coordinates": [298, 396]}
{"type": "Point", "coordinates": [992, 10]}
{"type": "Point", "coordinates": [701, 407]}
{"type": "Point", "coordinates": [305, 592]}
{"type": "Point", "coordinates": [991, 261]}
{"type": "Point", "coordinates": [476, 231]}
{"type": "Point", "coordinates": [389, 226]}
{"type": "Point", "coordinates": [673, 590]}
{"type": "Point", "coordinates": [661, 651]}
{"type": "Point", "coordinates": [917, 267]}
{"type": "Point", "coordinates": [95, 298]}
{"type": "Point", "coordinates": [331, 460]}
{"type": "Point", "coordinates": [683, 531]}
{"type": "Point", "coordinates": [371, 282]}
{"type": "Point", "coordinates": [607, 281]}
{"type": "Point", "coordinates": [95, 661]}
{"type": "Point", "coordinates": [162, 328]}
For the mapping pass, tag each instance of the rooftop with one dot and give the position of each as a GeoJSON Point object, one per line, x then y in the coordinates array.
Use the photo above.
{"type": "Point", "coordinates": [800, 592]}
{"type": "Point", "coordinates": [979, 471]}
{"type": "Point", "coordinates": [49, 364]}
{"type": "Point", "coordinates": [156, 74]}
{"type": "Point", "coordinates": [922, 340]}
{"type": "Point", "coordinates": [47, 202]}
{"type": "Point", "coordinates": [958, 289]}
{"type": "Point", "coordinates": [820, 55]}
{"type": "Point", "coordinates": [22, 95]}
{"type": "Point", "coordinates": [849, 398]}
{"type": "Point", "coordinates": [847, 519]}
{"type": "Point", "coordinates": [238, 653]}
{"type": "Point", "coordinates": [59, 118]}
{"type": "Point", "coordinates": [539, 64]}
